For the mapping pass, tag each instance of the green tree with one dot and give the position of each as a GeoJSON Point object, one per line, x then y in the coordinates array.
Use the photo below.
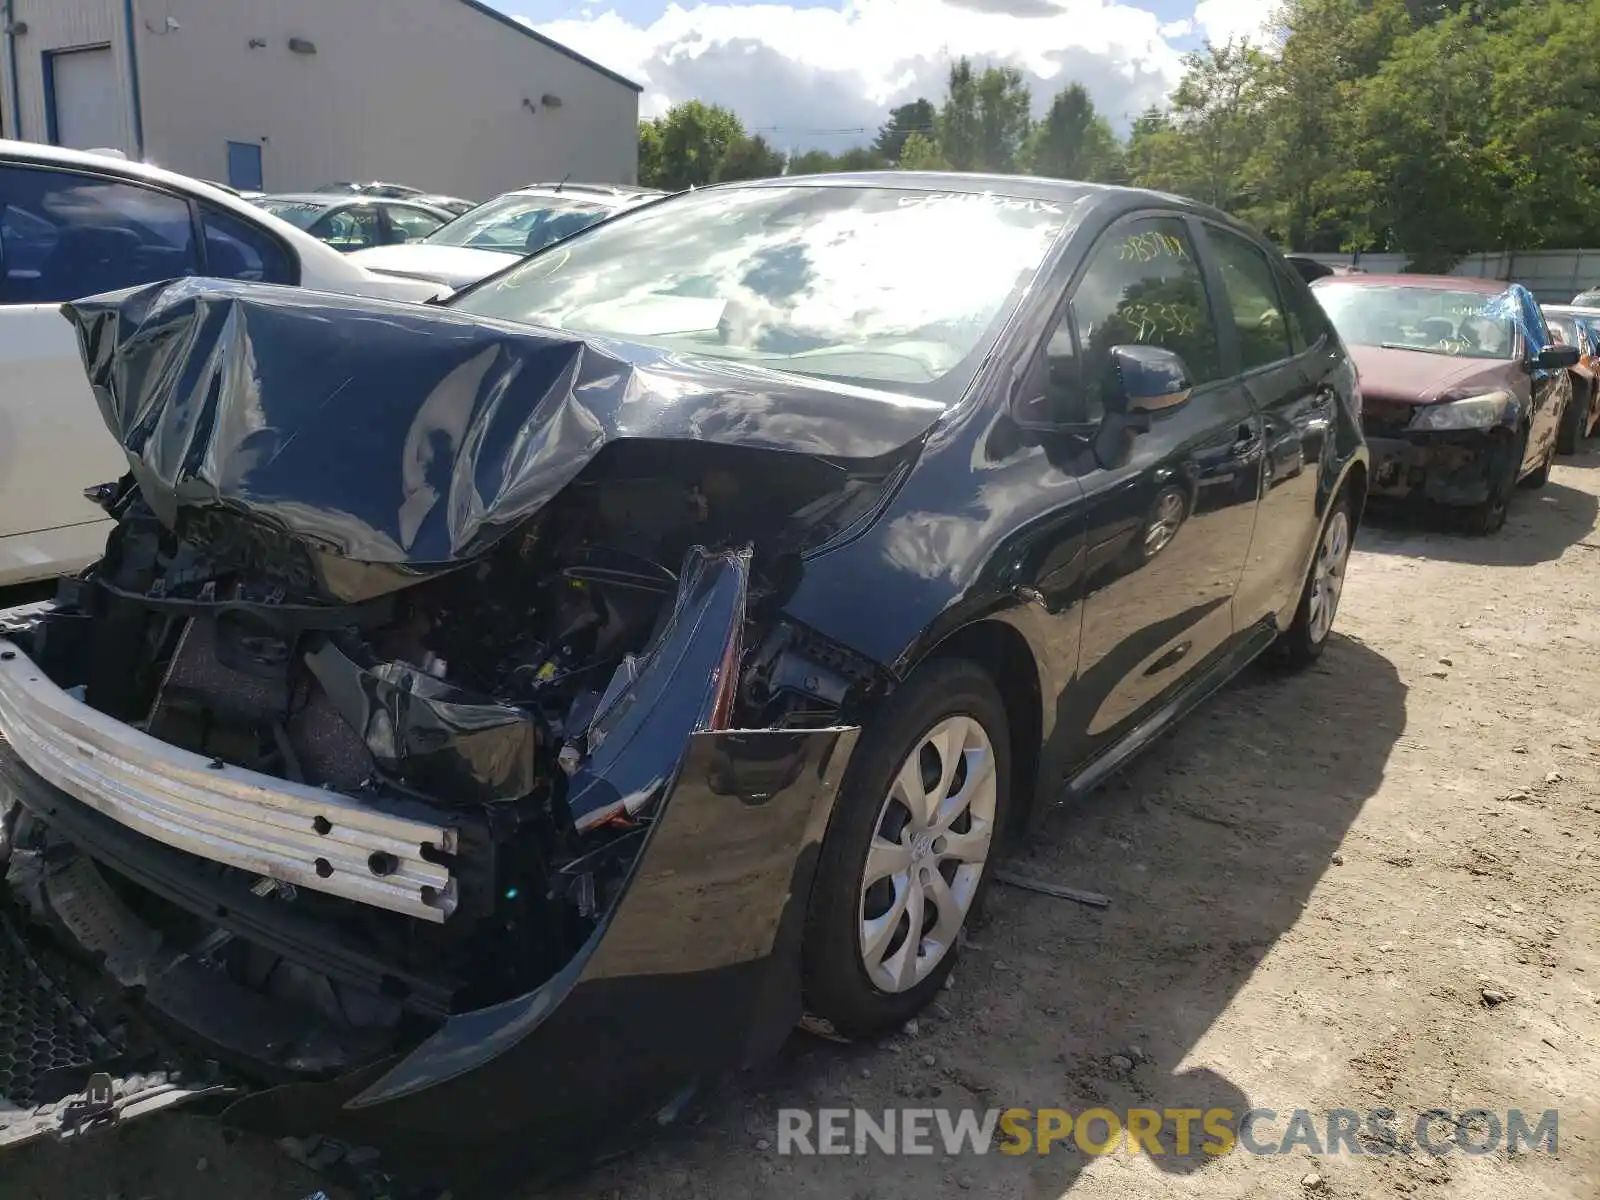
{"type": "Point", "coordinates": [922, 153]}
{"type": "Point", "coordinates": [1430, 179]}
{"type": "Point", "coordinates": [749, 158]}
{"type": "Point", "coordinates": [1004, 102]}
{"type": "Point", "coordinates": [984, 120]}
{"type": "Point", "coordinates": [904, 121]}
{"type": "Point", "coordinates": [1219, 106]}
{"type": "Point", "coordinates": [959, 131]}
{"type": "Point", "coordinates": [687, 145]}
{"type": "Point", "coordinates": [859, 158]}
{"type": "Point", "coordinates": [652, 165]}
{"type": "Point", "coordinates": [812, 162]}
{"type": "Point", "coordinates": [1074, 141]}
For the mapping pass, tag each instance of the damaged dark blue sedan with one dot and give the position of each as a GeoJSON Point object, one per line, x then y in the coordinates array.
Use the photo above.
{"type": "Point", "coordinates": [492, 721]}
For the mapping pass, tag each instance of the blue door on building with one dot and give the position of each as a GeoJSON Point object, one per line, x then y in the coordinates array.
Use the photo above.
{"type": "Point", "coordinates": [244, 166]}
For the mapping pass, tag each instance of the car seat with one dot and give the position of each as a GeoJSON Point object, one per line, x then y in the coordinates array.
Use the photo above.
{"type": "Point", "coordinates": [89, 259]}
{"type": "Point", "coordinates": [1436, 329]}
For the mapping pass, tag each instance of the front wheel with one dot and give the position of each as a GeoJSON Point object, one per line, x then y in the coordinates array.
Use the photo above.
{"type": "Point", "coordinates": [1302, 643]}
{"type": "Point", "coordinates": [1490, 515]}
{"type": "Point", "coordinates": [908, 850]}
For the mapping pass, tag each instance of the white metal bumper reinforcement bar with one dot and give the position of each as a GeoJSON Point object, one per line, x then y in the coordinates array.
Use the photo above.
{"type": "Point", "coordinates": [302, 835]}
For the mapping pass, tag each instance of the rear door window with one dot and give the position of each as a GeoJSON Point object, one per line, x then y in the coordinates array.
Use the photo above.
{"type": "Point", "coordinates": [65, 235]}
{"type": "Point", "coordinates": [353, 228]}
{"type": "Point", "coordinates": [410, 224]}
{"type": "Point", "coordinates": [237, 250]}
{"type": "Point", "coordinates": [1253, 302]}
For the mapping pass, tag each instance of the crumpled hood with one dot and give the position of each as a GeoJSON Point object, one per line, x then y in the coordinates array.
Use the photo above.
{"type": "Point", "coordinates": [455, 266]}
{"type": "Point", "coordinates": [410, 437]}
{"type": "Point", "coordinates": [1418, 377]}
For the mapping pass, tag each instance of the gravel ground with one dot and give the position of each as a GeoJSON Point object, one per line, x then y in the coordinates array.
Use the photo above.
{"type": "Point", "coordinates": [1374, 884]}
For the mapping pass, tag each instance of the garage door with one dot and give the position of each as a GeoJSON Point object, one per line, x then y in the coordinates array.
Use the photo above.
{"type": "Point", "coordinates": [86, 104]}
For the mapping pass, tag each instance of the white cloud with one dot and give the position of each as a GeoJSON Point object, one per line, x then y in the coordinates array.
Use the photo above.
{"type": "Point", "coordinates": [1223, 20]}
{"type": "Point", "coordinates": [827, 77]}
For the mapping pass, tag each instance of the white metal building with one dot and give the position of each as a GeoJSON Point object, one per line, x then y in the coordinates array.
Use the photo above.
{"type": "Point", "coordinates": [445, 95]}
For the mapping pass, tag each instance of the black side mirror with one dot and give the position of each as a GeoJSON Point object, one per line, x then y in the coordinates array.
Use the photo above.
{"type": "Point", "coordinates": [1145, 379]}
{"type": "Point", "coordinates": [1140, 382]}
{"type": "Point", "coordinates": [1556, 358]}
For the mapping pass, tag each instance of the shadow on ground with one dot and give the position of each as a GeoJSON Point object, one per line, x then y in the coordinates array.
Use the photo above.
{"type": "Point", "coordinates": [1541, 526]}
{"type": "Point", "coordinates": [1209, 847]}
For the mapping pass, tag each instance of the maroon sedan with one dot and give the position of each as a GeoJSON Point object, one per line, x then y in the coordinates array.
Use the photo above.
{"type": "Point", "coordinates": [1464, 388]}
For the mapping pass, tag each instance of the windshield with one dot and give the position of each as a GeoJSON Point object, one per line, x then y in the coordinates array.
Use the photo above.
{"type": "Point", "coordinates": [301, 214]}
{"type": "Point", "coordinates": [519, 224]}
{"type": "Point", "coordinates": [1434, 320]}
{"type": "Point", "coordinates": [880, 286]}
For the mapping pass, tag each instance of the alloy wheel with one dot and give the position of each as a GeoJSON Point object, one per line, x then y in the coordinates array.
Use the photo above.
{"type": "Point", "coordinates": [1327, 579]}
{"type": "Point", "coordinates": [927, 854]}
{"type": "Point", "coordinates": [1164, 523]}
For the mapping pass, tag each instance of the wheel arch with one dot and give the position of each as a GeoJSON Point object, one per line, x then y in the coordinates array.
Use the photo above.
{"type": "Point", "coordinates": [1355, 482]}
{"type": "Point", "coordinates": [1003, 653]}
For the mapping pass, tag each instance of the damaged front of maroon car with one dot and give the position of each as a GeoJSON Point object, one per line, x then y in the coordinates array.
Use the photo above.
{"type": "Point", "coordinates": [1463, 388]}
{"type": "Point", "coordinates": [430, 762]}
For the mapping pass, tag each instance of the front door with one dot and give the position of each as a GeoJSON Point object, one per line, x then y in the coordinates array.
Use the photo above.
{"type": "Point", "coordinates": [1168, 518]}
{"type": "Point", "coordinates": [1550, 391]}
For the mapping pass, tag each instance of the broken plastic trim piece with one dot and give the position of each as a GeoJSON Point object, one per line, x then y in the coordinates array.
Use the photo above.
{"type": "Point", "coordinates": [683, 686]}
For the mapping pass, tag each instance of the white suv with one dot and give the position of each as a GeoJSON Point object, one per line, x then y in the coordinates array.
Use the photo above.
{"type": "Point", "coordinates": [74, 224]}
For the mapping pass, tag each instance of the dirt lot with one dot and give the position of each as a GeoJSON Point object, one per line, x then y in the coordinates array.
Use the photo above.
{"type": "Point", "coordinates": [1315, 884]}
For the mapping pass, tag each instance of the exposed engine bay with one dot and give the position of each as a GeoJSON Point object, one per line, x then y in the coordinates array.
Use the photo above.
{"type": "Point", "coordinates": [425, 653]}
{"type": "Point", "coordinates": [499, 698]}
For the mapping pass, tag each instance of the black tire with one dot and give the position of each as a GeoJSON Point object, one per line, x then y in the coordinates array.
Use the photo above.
{"type": "Point", "coordinates": [1574, 421]}
{"type": "Point", "coordinates": [1540, 476]}
{"type": "Point", "coordinates": [836, 983]}
{"type": "Point", "coordinates": [1490, 516]}
{"type": "Point", "coordinates": [1302, 644]}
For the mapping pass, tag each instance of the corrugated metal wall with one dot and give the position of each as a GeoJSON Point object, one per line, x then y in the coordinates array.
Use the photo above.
{"type": "Point", "coordinates": [61, 25]}
{"type": "Point", "coordinates": [1555, 276]}
{"type": "Point", "coordinates": [425, 92]}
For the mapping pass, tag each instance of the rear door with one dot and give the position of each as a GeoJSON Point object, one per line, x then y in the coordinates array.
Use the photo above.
{"type": "Point", "coordinates": [63, 235]}
{"type": "Point", "coordinates": [1286, 356]}
{"type": "Point", "coordinates": [1551, 390]}
{"type": "Point", "coordinates": [1168, 524]}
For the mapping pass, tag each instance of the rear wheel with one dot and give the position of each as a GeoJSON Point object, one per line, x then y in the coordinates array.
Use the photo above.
{"type": "Point", "coordinates": [1302, 643]}
{"type": "Point", "coordinates": [1574, 421]}
{"type": "Point", "coordinates": [908, 850]}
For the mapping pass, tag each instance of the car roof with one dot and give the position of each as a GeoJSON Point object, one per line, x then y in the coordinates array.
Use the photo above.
{"type": "Point", "coordinates": [603, 194]}
{"type": "Point", "coordinates": [343, 199]}
{"type": "Point", "coordinates": [1451, 283]}
{"type": "Point", "coordinates": [1103, 197]}
{"type": "Point", "coordinates": [327, 260]}
{"type": "Point", "coordinates": [569, 185]}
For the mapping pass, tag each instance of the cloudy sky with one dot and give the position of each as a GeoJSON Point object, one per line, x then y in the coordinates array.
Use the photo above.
{"type": "Point", "coordinates": [825, 74]}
